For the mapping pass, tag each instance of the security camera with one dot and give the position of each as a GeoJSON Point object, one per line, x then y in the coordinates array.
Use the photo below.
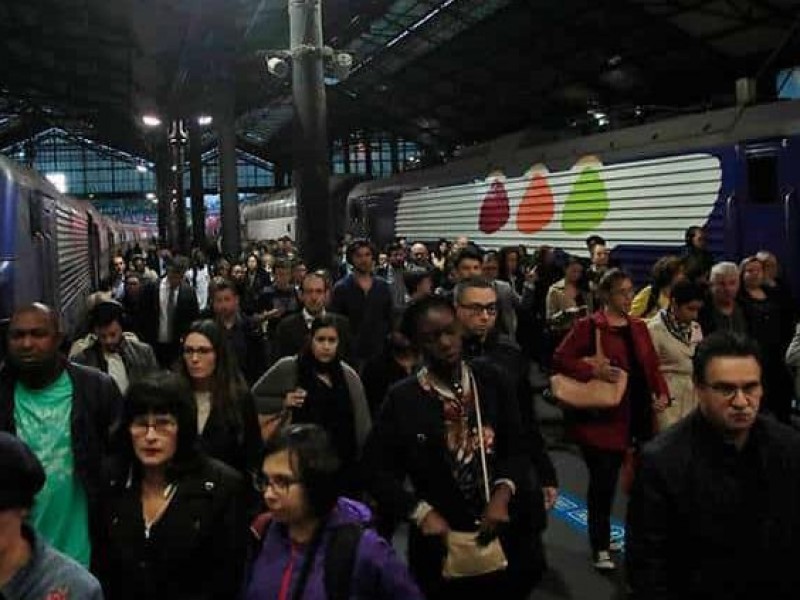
{"type": "Point", "coordinates": [277, 67]}
{"type": "Point", "coordinates": [341, 65]}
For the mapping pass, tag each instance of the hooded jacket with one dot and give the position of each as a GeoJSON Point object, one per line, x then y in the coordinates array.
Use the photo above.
{"type": "Point", "coordinates": [378, 572]}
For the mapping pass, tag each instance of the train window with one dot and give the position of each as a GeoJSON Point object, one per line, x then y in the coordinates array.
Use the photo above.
{"type": "Point", "coordinates": [762, 178]}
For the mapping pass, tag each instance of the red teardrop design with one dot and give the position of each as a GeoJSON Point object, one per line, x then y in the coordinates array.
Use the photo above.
{"type": "Point", "coordinates": [495, 209]}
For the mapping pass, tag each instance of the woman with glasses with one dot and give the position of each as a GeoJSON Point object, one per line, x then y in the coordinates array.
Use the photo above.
{"type": "Point", "coordinates": [226, 418]}
{"type": "Point", "coordinates": [312, 543]}
{"type": "Point", "coordinates": [605, 435]}
{"type": "Point", "coordinates": [316, 386]}
{"type": "Point", "coordinates": [175, 527]}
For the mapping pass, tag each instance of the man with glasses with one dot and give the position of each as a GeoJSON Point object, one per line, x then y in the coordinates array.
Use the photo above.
{"type": "Point", "coordinates": [476, 310]}
{"type": "Point", "coordinates": [66, 414]}
{"type": "Point", "coordinates": [714, 512]}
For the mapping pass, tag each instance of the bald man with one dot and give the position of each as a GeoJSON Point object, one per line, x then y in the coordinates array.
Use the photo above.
{"type": "Point", "coordinates": [65, 413]}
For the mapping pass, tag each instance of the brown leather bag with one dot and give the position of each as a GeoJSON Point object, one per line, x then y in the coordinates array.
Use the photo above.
{"type": "Point", "coordinates": [595, 393]}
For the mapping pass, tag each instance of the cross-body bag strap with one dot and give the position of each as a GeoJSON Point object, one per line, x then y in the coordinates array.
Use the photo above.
{"type": "Point", "coordinates": [481, 448]}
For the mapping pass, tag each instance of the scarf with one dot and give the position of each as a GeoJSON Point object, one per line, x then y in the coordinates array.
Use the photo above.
{"type": "Point", "coordinates": [680, 331]}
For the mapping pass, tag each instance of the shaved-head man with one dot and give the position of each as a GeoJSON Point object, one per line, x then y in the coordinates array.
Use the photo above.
{"type": "Point", "coordinates": [65, 413]}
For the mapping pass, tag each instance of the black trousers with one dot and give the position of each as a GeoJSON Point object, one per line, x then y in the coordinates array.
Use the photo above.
{"type": "Point", "coordinates": [604, 466]}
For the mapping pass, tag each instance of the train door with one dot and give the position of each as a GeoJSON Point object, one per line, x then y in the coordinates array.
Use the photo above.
{"type": "Point", "coordinates": [761, 214]}
{"type": "Point", "coordinates": [94, 251]}
{"type": "Point", "coordinates": [42, 227]}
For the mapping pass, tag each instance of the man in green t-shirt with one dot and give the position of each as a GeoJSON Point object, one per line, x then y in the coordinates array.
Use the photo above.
{"type": "Point", "coordinates": [66, 414]}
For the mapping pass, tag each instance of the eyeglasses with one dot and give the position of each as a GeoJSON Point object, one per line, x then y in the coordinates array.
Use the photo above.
{"type": "Point", "coordinates": [477, 309]}
{"type": "Point", "coordinates": [279, 483]}
{"type": "Point", "coordinates": [161, 425]}
{"type": "Point", "coordinates": [200, 350]}
{"type": "Point", "coordinates": [728, 391]}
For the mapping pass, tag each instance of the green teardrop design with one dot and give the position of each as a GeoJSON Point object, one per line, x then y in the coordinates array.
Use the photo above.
{"type": "Point", "coordinates": [587, 204]}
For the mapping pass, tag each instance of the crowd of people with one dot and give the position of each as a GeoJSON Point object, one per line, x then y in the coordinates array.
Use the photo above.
{"type": "Point", "coordinates": [258, 429]}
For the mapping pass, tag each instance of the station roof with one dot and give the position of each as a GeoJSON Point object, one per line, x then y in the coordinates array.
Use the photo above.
{"type": "Point", "coordinates": [445, 73]}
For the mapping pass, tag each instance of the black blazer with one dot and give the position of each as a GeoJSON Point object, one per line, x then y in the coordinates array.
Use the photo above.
{"type": "Point", "coordinates": [238, 447]}
{"type": "Point", "coordinates": [186, 311]}
{"type": "Point", "coordinates": [408, 440]}
{"type": "Point", "coordinates": [196, 550]}
{"type": "Point", "coordinates": [292, 335]}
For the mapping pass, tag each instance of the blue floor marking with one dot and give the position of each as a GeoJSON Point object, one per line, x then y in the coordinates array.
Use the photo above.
{"type": "Point", "coordinates": [572, 510]}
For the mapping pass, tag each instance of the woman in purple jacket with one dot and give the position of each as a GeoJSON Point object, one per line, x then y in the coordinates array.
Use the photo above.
{"type": "Point", "coordinates": [312, 543]}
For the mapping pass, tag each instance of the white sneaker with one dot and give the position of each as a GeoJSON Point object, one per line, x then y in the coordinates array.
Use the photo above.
{"type": "Point", "coordinates": [603, 562]}
{"type": "Point", "coordinates": [616, 546]}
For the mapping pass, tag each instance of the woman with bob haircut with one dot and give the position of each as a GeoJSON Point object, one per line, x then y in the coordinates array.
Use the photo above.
{"type": "Point", "coordinates": [226, 416]}
{"type": "Point", "coordinates": [175, 527]}
{"type": "Point", "coordinates": [312, 541]}
{"type": "Point", "coordinates": [316, 386]}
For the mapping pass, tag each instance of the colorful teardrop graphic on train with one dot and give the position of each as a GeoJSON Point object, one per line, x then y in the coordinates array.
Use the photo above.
{"type": "Point", "coordinates": [587, 204]}
{"type": "Point", "coordinates": [537, 207]}
{"type": "Point", "coordinates": [495, 209]}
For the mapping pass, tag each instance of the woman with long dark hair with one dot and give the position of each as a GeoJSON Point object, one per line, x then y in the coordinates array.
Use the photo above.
{"type": "Point", "coordinates": [316, 386]}
{"type": "Point", "coordinates": [511, 268]}
{"type": "Point", "coordinates": [175, 526]}
{"type": "Point", "coordinates": [226, 419]}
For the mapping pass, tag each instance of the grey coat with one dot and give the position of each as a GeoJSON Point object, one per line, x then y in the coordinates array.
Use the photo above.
{"type": "Point", "coordinates": [270, 390]}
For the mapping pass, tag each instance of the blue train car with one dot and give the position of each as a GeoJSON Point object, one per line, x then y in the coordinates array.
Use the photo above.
{"type": "Point", "coordinates": [734, 171]}
{"type": "Point", "coordinates": [53, 249]}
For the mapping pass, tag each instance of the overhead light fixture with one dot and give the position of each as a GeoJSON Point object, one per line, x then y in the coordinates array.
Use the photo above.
{"type": "Point", "coordinates": [205, 120]}
{"type": "Point", "coordinates": [141, 168]}
{"type": "Point", "coordinates": [151, 121]}
{"type": "Point", "coordinates": [150, 196]}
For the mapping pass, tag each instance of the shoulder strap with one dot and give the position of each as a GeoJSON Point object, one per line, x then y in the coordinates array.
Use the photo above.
{"type": "Point", "coordinates": [340, 560]}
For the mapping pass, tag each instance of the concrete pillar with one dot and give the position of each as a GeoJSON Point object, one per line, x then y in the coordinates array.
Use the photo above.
{"type": "Point", "coordinates": [228, 184]}
{"type": "Point", "coordinates": [315, 227]}
{"type": "Point", "coordinates": [163, 179]}
{"type": "Point", "coordinates": [196, 185]}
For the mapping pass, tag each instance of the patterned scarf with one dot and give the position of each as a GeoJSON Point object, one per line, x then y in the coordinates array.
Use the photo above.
{"type": "Point", "coordinates": [461, 434]}
{"type": "Point", "coordinates": [680, 331]}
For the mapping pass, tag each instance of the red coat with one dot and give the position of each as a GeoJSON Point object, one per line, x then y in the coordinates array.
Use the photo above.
{"type": "Point", "coordinates": [608, 429]}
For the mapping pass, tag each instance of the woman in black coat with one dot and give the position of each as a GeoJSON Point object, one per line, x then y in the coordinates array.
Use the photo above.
{"type": "Point", "coordinates": [226, 416]}
{"type": "Point", "coordinates": [175, 526]}
{"type": "Point", "coordinates": [426, 432]}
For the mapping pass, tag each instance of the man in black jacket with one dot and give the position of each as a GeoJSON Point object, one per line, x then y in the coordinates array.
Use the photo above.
{"type": "Point", "coordinates": [169, 306]}
{"type": "Point", "coordinates": [66, 414]}
{"type": "Point", "coordinates": [243, 332]}
{"type": "Point", "coordinates": [293, 331]}
{"type": "Point", "coordinates": [114, 351]}
{"type": "Point", "coordinates": [476, 309]}
{"type": "Point", "coordinates": [714, 511]}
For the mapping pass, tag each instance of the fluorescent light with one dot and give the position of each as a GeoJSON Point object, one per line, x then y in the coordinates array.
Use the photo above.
{"type": "Point", "coordinates": [141, 168]}
{"type": "Point", "coordinates": [59, 180]}
{"type": "Point", "coordinates": [205, 120]}
{"type": "Point", "coordinates": [151, 120]}
{"type": "Point", "coordinates": [150, 196]}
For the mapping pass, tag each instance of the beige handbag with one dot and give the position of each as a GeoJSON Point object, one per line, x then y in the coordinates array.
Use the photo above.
{"type": "Point", "coordinates": [465, 557]}
{"type": "Point", "coordinates": [590, 394]}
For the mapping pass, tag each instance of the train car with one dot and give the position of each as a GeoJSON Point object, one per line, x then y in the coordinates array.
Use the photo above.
{"type": "Point", "coordinates": [274, 215]}
{"type": "Point", "coordinates": [53, 249]}
{"type": "Point", "coordinates": [734, 171]}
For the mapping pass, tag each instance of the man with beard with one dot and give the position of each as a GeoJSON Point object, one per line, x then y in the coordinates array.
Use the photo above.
{"type": "Point", "coordinates": [242, 332]}
{"type": "Point", "coordinates": [65, 413]}
{"type": "Point", "coordinates": [115, 351]}
{"type": "Point", "coordinates": [366, 302]}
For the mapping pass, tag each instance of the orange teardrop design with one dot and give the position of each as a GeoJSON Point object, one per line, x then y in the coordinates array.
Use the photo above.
{"type": "Point", "coordinates": [537, 207]}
